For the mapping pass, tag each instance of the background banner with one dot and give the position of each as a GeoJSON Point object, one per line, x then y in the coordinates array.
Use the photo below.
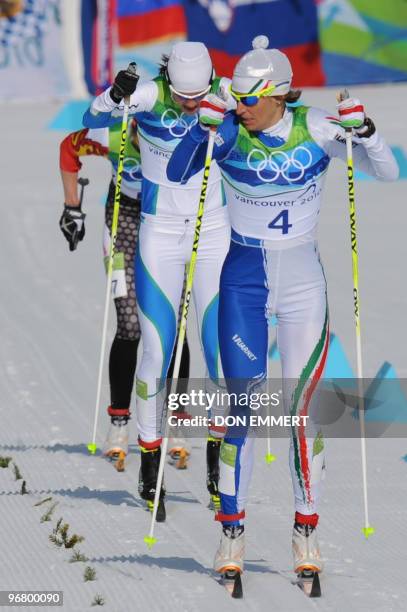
{"type": "Point", "coordinates": [98, 34]}
{"type": "Point", "coordinates": [141, 21]}
{"type": "Point", "coordinates": [363, 41]}
{"type": "Point", "coordinates": [329, 42]}
{"type": "Point", "coordinates": [227, 27]}
{"type": "Point", "coordinates": [31, 55]}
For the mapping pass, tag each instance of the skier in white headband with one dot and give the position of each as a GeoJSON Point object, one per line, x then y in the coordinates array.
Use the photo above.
{"type": "Point", "coordinates": [166, 108]}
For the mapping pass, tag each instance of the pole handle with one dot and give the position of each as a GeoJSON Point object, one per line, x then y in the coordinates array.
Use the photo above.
{"type": "Point", "coordinates": [82, 182]}
{"type": "Point", "coordinates": [342, 95]}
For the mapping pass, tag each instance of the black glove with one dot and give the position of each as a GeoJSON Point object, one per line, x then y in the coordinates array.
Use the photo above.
{"type": "Point", "coordinates": [367, 129]}
{"type": "Point", "coordinates": [125, 83]}
{"type": "Point", "coordinates": [72, 224]}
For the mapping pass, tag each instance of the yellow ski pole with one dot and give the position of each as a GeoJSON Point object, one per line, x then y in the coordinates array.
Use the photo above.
{"type": "Point", "coordinates": [149, 539]}
{"type": "Point", "coordinates": [367, 530]}
{"type": "Point", "coordinates": [269, 457]}
{"type": "Point", "coordinates": [92, 447]}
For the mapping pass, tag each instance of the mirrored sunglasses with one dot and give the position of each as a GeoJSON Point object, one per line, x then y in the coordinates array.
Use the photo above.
{"type": "Point", "coordinates": [251, 99]}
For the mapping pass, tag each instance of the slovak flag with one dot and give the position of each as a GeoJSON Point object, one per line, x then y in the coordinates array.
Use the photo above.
{"type": "Point", "coordinates": [227, 28]}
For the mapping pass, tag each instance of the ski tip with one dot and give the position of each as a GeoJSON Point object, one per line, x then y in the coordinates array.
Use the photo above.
{"type": "Point", "coordinates": [92, 448]}
{"type": "Point", "coordinates": [150, 541]}
{"type": "Point", "coordinates": [368, 531]}
{"type": "Point", "coordinates": [269, 458]}
{"type": "Point", "coordinates": [309, 583]}
{"type": "Point", "coordinates": [237, 592]}
{"type": "Point", "coordinates": [232, 581]}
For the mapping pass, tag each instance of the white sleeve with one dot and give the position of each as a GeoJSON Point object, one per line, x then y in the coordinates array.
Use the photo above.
{"type": "Point", "coordinates": [371, 155]}
{"type": "Point", "coordinates": [143, 99]}
{"type": "Point", "coordinates": [100, 135]}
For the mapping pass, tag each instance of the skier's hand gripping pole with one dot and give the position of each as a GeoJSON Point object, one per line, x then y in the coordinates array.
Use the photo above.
{"type": "Point", "coordinates": [72, 221]}
{"type": "Point", "coordinates": [92, 447]}
{"type": "Point", "coordinates": [367, 529]}
{"type": "Point", "coordinates": [149, 539]}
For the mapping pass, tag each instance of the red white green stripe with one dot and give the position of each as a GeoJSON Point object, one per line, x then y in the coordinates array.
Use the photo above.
{"type": "Point", "coordinates": [302, 396]}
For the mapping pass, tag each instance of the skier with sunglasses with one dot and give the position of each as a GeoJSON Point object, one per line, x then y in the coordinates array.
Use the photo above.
{"type": "Point", "coordinates": [165, 109]}
{"type": "Point", "coordinates": [274, 160]}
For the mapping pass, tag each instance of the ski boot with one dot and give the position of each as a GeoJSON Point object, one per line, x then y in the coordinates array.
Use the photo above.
{"type": "Point", "coordinates": [116, 445]}
{"type": "Point", "coordinates": [229, 559]}
{"type": "Point", "coordinates": [150, 461]}
{"type": "Point", "coordinates": [307, 558]}
{"type": "Point", "coordinates": [212, 471]}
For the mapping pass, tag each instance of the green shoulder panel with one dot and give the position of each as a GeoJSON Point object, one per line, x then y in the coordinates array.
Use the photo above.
{"type": "Point", "coordinates": [164, 99]}
{"type": "Point", "coordinates": [130, 150]}
{"type": "Point", "coordinates": [299, 134]}
{"type": "Point", "coordinates": [215, 84]}
{"type": "Point", "coordinates": [299, 131]}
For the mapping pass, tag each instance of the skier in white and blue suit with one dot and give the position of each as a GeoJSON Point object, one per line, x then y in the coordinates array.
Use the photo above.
{"type": "Point", "coordinates": [165, 109]}
{"type": "Point", "coordinates": [273, 159]}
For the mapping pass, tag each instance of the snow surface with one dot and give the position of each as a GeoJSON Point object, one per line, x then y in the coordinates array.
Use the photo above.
{"type": "Point", "coordinates": [51, 318]}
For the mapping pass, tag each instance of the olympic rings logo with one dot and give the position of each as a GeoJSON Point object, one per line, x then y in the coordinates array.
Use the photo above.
{"type": "Point", "coordinates": [132, 168]}
{"type": "Point", "coordinates": [289, 166]}
{"type": "Point", "coordinates": [176, 124]}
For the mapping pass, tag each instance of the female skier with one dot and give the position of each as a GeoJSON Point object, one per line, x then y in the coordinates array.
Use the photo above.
{"type": "Point", "coordinates": [165, 109]}
{"type": "Point", "coordinates": [274, 160]}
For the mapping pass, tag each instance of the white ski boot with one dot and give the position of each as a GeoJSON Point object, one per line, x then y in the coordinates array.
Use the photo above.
{"type": "Point", "coordinates": [306, 549]}
{"type": "Point", "coordinates": [230, 554]}
{"type": "Point", "coordinates": [116, 445]}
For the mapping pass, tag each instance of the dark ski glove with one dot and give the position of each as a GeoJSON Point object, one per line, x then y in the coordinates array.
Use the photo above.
{"type": "Point", "coordinates": [72, 224]}
{"type": "Point", "coordinates": [125, 83]}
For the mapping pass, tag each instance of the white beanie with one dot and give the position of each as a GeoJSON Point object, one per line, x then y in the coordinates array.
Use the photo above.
{"type": "Point", "coordinates": [262, 68]}
{"type": "Point", "coordinates": [189, 67]}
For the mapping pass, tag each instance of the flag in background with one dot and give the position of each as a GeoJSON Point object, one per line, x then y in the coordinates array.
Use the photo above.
{"type": "Point", "coordinates": [146, 21]}
{"type": "Point", "coordinates": [328, 41]}
{"type": "Point", "coordinates": [98, 31]}
{"type": "Point", "coordinates": [227, 27]}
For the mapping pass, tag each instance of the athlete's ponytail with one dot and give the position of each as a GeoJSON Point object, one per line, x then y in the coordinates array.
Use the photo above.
{"type": "Point", "coordinates": [292, 96]}
{"type": "Point", "coordinates": [163, 65]}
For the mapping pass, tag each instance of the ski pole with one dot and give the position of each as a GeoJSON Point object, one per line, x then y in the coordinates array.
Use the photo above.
{"type": "Point", "coordinates": [367, 530]}
{"type": "Point", "coordinates": [268, 457]}
{"type": "Point", "coordinates": [82, 182]}
{"type": "Point", "coordinates": [92, 447]}
{"type": "Point", "coordinates": [149, 539]}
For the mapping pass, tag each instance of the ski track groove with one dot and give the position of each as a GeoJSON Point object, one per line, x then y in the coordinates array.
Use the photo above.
{"type": "Point", "coordinates": [110, 505]}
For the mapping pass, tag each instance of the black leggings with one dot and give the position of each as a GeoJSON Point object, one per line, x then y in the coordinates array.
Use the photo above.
{"type": "Point", "coordinates": [123, 353]}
